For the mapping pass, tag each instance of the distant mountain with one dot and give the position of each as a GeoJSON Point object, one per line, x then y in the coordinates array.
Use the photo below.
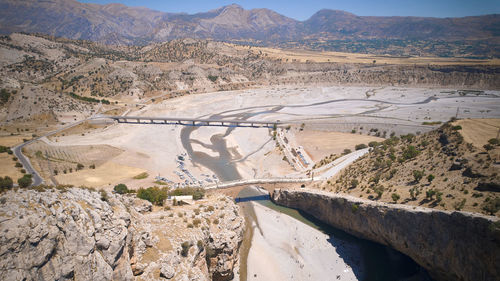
{"type": "Point", "coordinates": [119, 24]}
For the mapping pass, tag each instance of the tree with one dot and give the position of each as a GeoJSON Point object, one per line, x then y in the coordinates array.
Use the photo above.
{"type": "Point", "coordinates": [120, 188]}
{"type": "Point", "coordinates": [418, 175]}
{"type": "Point", "coordinates": [6, 183]}
{"type": "Point", "coordinates": [25, 181]}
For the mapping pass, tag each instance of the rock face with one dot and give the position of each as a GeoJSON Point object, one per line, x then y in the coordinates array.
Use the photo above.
{"type": "Point", "coordinates": [450, 245]}
{"type": "Point", "coordinates": [72, 234]}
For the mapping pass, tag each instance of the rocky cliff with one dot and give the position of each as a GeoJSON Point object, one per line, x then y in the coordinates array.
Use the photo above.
{"type": "Point", "coordinates": [450, 245]}
{"type": "Point", "coordinates": [77, 234]}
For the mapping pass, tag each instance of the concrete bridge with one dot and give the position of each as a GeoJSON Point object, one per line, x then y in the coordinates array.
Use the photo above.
{"type": "Point", "coordinates": [191, 121]}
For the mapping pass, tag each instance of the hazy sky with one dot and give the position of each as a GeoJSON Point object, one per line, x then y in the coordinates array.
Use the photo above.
{"type": "Point", "coordinates": [302, 10]}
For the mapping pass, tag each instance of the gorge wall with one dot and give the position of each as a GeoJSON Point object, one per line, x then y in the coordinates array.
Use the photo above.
{"type": "Point", "coordinates": [450, 245]}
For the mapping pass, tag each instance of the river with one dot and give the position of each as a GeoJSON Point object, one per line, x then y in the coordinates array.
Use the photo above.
{"type": "Point", "coordinates": [378, 262]}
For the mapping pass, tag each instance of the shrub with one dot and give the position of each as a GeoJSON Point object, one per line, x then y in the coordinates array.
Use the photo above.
{"type": "Point", "coordinates": [456, 128]}
{"type": "Point", "coordinates": [373, 144]}
{"type": "Point", "coordinates": [410, 152]}
{"type": "Point", "coordinates": [216, 221]}
{"type": "Point", "coordinates": [210, 209]}
{"type": "Point", "coordinates": [354, 183]}
{"type": "Point", "coordinates": [6, 183]}
{"type": "Point", "coordinates": [418, 175]}
{"type": "Point", "coordinates": [459, 205]}
{"type": "Point", "coordinates": [153, 194]}
{"type": "Point", "coordinates": [360, 146]}
{"type": "Point", "coordinates": [196, 222]}
{"type": "Point", "coordinates": [212, 78]}
{"type": "Point", "coordinates": [141, 176]}
{"type": "Point", "coordinates": [430, 178]}
{"type": "Point", "coordinates": [430, 193]}
{"type": "Point", "coordinates": [185, 248]}
{"type": "Point", "coordinates": [25, 181]}
{"type": "Point", "coordinates": [494, 141]}
{"type": "Point", "coordinates": [346, 151]}
{"type": "Point", "coordinates": [18, 165]}
{"type": "Point", "coordinates": [395, 197]}
{"type": "Point", "coordinates": [492, 206]}
{"type": "Point", "coordinates": [104, 195]}
{"type": "Point", "coordinates": [488, 146]}
{"type": "Point", "coordinates": [79, 166]}
{"type": "Point", "coordinates": [120, 188]}
{"type": "Point", "coordinates": [92, 166]}
{"type": "Point", "coordinates": [197, 193]}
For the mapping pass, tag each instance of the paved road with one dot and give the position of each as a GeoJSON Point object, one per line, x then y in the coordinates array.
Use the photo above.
{"type": "Point", "coordinates": [37, 180]}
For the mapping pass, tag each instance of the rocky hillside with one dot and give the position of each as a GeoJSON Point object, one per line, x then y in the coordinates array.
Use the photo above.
{"type": "Point", "coordinates": [55, 79]}
{"type": "Point", "coordinates": [78, 234]}
{"type": "Point", "coordinates": [438, 169]}
{"type": "Point", "coordinates": [119, 24]}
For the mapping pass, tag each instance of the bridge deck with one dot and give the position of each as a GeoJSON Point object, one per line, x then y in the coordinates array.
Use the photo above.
{"type": "Point", "coordinates": [191, 121]}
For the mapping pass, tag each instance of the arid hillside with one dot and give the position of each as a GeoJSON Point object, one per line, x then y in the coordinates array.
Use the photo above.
{"type": "Point", "coordinates": [440, 169]}
{"type": "Point", "coordinates": [59, 80]}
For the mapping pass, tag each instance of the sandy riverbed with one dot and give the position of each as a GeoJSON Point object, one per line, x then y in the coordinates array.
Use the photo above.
{"type": "Point", "coordinates": [284, 248]}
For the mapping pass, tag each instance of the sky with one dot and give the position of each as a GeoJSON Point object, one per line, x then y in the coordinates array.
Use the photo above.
{"type": "Point", "coordinates": [302, 10]}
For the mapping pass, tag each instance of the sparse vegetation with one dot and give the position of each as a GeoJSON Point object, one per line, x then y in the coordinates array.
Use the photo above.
{"type": "Point", "coordinates": [141, 176]}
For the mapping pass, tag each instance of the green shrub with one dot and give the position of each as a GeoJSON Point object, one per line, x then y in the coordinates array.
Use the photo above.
{"type": "Point", "coordinates": [395, 197]}
{"type": "Point", "coordinates": [6, 183]}
{"type": "Point", "coordinates": [346, 151]}
{"type": "Point", "coordinates": [360, 146]}
{"type": "Point", "coordinates": [141, 176]}
{"type": "Point", "coordinates": [430, 178]}
{"type": "Point", "coordinates": [456, 128]}
{"type": "Point", "coordinates": [197, 193]}
{"type": "Point", "coordinates": [18, 165]}
{"type": "Point", "coordinates": [120, 188]}
{"type": "Point", "coordinates": [373, 144]}
{"type": "Point", "coordinates": [25, 181]}
{"type": "Point", "coordinates": [494, 141]}
{"type": "Point", "coordinates": [153, 194]}
{"type": "Point", "coordinates": [418, 175]}
{"type": "Point", "coordinates": [410, 152]}
{"type": "Point", "coordinates": [79, 166]}
{"type": "Point", "coordinates": [492, 206]}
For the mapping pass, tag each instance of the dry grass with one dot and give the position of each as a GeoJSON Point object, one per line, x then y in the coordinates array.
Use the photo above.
{"type": "Point", "coordinates": [319, 144]}
{"type": "Point", "coordinates": [12, 141]}
{"type": "Point", "coordinates": [339, 57]}
{"type": "Point", "coordinates": [7, 167]}
{"type": "Point", "coordinates": [106, 174]}
{"type": "Point", "coordinates": [479, 131]}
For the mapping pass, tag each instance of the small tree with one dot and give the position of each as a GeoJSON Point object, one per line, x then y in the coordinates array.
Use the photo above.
{"type": "Point", "coordinates": [430, 178]}
{"type": "Point", "coordinates": [395, 197]}
{"type": "Point", "coordinates": [6, 183]}
{"type": "Point", "coordinates": [418, 175]}
{"type": "Point", "coordinates": [25, 181]}
{"type": "Point", "coordinates": [120, 188]}
{"type": "Point", "coordinates": [79, 166]}
{"type": "Point", "coordinates": [430, 193]}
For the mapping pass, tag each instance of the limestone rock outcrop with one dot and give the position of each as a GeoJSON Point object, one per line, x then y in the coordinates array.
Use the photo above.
{"type": "Point", "coordinates": [77, 234]}
{"type": "Point", "coordinates": [450, 245]}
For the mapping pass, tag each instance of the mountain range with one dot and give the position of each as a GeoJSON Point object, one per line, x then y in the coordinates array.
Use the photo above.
{"type": "Point", "coordinates": [120, 24]}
